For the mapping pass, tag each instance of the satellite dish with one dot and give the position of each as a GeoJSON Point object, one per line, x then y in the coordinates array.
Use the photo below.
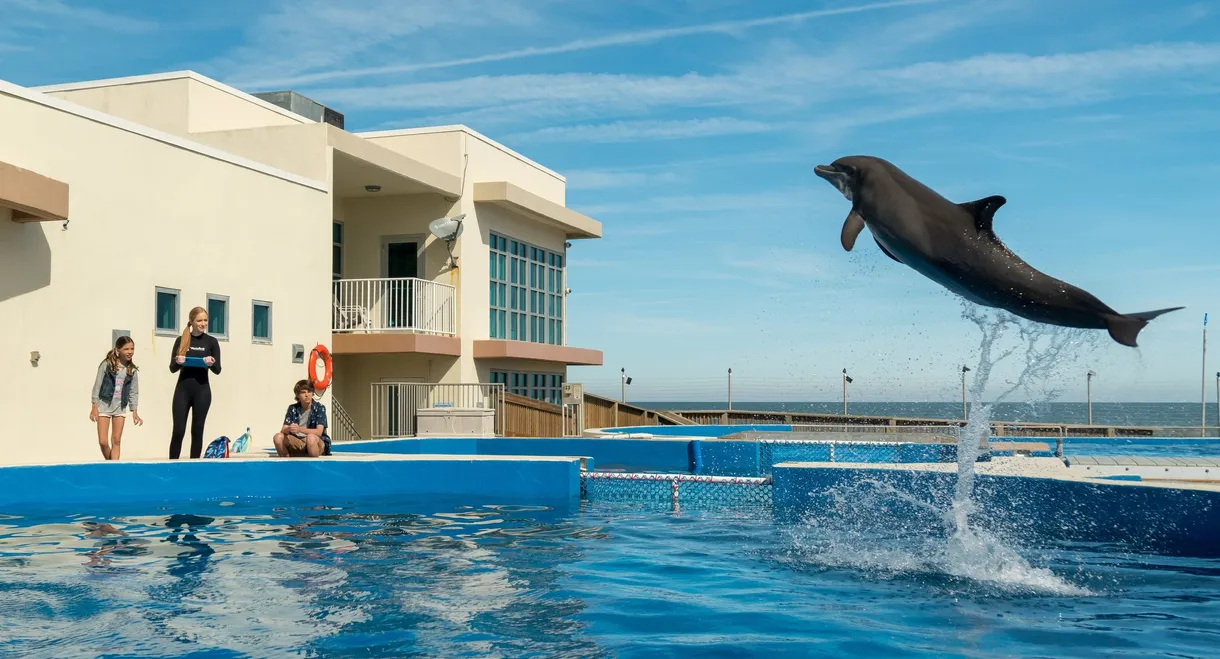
{"type": "Point", "coordinates": [448, 229]}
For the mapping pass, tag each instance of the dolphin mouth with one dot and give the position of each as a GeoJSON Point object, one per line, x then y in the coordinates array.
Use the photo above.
{"type": "Point", "coordinates": [836, 177]}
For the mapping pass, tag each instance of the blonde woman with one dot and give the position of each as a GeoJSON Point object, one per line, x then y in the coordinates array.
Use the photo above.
{"type": "Point", "coordinates": [116, 389]}
{"type": "Point", "coordinates": [195, 353]}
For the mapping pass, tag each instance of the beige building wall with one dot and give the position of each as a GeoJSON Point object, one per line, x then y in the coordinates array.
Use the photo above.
{"type": "Point", "coordinates": [300, 149]}
{"type": "Point", "coordinates": [148, 212]}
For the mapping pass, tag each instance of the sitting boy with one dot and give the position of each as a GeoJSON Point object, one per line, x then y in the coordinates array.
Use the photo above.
{"type": "Point", "coordinates": [304, 431]}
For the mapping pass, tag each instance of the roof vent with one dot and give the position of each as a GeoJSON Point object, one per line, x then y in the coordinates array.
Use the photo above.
{"type": "Point", "coordinates": [304, 106]}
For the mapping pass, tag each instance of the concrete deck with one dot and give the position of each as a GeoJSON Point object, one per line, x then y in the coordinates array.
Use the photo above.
{"type": "Point", "coordinates": [1177, 476]}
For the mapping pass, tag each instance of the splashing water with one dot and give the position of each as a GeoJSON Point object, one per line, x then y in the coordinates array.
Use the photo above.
{"type": "Point", "coordinates": [971, 551]}
{"type": "Point", "coordinates": [873, 526]}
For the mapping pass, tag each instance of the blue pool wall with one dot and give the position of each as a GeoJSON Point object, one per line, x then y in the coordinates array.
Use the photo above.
{"type": "Point", "coordinates": [1023, 508]}
{"type": "Point", "coordinates": [73, 485]}
{"type": "Point", "coordinates": [713, 457]}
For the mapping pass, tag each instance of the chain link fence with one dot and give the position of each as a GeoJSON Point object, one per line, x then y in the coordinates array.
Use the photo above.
{"type": "Point", "coordinates": [678, 490]}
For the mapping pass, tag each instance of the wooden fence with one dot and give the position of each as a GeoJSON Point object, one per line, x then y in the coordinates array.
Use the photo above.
{"type": "Point", "coordinates": [526, 417]}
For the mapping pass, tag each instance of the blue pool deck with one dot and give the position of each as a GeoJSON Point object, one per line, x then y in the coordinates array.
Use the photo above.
{"type": "Point", "coordinates": [1159, 503]}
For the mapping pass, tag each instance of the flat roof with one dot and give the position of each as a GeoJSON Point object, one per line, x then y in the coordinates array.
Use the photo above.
{"type": "Point", "coordinates": [174, 75]}
{"type": "Point", "coordinates": [461, 128]}
{"type": "Point", "coordinates": [46, 100]}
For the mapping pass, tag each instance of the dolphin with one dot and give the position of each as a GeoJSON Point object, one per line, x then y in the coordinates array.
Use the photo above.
{"type": "Point", "coordinates": [953, 244]}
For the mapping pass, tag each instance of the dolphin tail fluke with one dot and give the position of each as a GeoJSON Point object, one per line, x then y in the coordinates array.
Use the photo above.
{"type": "Point", "coordinates": [1126, 328]}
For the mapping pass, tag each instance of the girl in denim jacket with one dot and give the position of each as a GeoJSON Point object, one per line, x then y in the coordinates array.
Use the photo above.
{"type": "Point", "coordinates": [115, 390]}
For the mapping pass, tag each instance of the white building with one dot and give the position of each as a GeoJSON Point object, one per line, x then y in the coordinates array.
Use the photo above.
{"type": "Point", "coordinates": [125, 202]}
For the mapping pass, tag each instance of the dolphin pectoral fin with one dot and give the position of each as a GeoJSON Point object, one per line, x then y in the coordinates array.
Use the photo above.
{"type": "Point", "coordinates": [1125, 328]}
{"type": "Point", "coordinates": [983, 210]}
{"type": "Point", "coordinates": [852, 227]}
{"type": "Point", "coordinates": [883, 249]}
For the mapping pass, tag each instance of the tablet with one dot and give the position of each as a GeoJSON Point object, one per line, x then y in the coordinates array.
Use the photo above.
{"type": "Point", "coordinates": [196, 362]}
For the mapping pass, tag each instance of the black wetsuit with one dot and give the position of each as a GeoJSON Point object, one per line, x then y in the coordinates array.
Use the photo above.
{"type": "Point", "coordinates": [193, 392]}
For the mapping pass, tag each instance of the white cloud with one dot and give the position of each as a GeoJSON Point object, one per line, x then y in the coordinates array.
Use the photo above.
{"type": "Point", "coordinates": [619, 39]}
{"type": "Point", "coordinates": [302, 36]}
{"type": "Point", "coordinates": [594, 179]}
{"type": "Point", "coordinates": [30, 12]}
{"type": "Point", "coordinates": [635, 131]}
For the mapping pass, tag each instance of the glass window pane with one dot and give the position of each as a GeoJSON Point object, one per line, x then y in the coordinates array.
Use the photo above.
{"type": "Point", "coordinates": [336, 260]}
{"type": "Point", "coordinates": [261, 322]}
{"type": "Point", "coordinates": [165, 311]}
{"type": "Point", "coordinates": [491, 325]}
{"type": "Point", "coordinates": [503, 319]}
{"type": "Point", "coordinates": [337, 232]}
{"type": "Point", "coordinates": [217, 317]}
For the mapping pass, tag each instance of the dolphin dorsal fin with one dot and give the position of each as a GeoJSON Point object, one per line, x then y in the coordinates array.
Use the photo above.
{"type": "Point", "coordinates": [983, 210]}
{"type": "Point", "coordinates": [852, 227]}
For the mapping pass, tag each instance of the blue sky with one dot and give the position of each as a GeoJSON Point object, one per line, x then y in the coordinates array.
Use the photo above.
{"type": "Point", "coordinates": [690, 129]}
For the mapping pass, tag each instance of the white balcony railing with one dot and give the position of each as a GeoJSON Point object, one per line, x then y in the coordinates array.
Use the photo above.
{"type": "Point", "coordinates": [396, 405]}
{"type": "Point", "coordinates": [404, 304]}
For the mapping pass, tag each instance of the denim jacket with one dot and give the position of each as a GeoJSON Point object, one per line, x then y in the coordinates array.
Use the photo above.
{"type": "Point", "coordinates": [104, 383]}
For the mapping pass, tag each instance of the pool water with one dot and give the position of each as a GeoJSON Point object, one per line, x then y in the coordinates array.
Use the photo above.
{"type": "Point", "coordinates": [1168, 447]}
{"type": "Point", "coordinates": [395, 578]}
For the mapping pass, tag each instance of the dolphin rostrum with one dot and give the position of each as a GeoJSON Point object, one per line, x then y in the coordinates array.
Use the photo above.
{"type": "Point", "coordinates": [955, 246]}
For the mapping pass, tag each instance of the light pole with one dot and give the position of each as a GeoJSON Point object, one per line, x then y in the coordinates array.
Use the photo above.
{"type": "Point", "coordinates": [1203, 384]}
{"type": "Point", "coordinates": [626, 381]}
{"type": "Point", "coordinates": [730, 390]}
{"type": "Point", "coordinates": [1089, 389]}
{"type": "Point", "coordinates": [846, 380]}
{"type": "Point", "coordinates": [965, 413]}
{"type": "Point", "coordinates": [1218, 403]}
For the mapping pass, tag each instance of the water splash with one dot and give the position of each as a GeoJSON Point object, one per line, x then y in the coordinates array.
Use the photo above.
{"type": "Point", "coordinates": [1047, 349]}
{"type": "Point", "coordinates": [874, 526]}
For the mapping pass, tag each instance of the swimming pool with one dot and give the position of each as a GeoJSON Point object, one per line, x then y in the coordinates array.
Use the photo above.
{"type": "Point", "coordinates": [381, 577]}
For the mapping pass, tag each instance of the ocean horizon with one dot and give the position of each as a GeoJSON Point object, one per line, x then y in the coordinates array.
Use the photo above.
{"type": "Point", "coordinates": [1104, 414]}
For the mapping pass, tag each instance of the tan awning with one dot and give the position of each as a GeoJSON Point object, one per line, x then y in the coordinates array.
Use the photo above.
{"type": "Point", "coordinates": [33, 197]}
{"type": "Point", "coordinates": [542, 352]}
{"type": "Point", "coordinates": [518, 200]}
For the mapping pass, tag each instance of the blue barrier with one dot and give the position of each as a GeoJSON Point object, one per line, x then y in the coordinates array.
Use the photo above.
{"type": "Point", "coordinates": [69, 485]}
{"type": "Point", "coordinates": [1028, 509]}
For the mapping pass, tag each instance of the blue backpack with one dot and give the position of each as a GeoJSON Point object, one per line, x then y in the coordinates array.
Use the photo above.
{"type": "Point", "coordinates": [219, 448]}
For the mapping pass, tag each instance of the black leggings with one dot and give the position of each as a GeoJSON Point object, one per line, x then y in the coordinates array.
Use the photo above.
{"type": "Point", "coordinates": [195, 397]}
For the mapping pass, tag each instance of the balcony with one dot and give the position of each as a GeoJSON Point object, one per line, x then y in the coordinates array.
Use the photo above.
{"type": "Point", "coordinates": [392, 315]}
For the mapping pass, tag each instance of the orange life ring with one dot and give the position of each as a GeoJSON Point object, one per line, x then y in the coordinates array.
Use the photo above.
{"type": "Point", "coordinates": [320, 351]}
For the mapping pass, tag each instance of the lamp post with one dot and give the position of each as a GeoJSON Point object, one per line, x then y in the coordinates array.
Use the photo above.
{"type": "Point", "coordinates": [1218, 403]}
{"type": "Point", "coordinates": [1203, 383]}
{"type": "Point", "coordinates": [846, 380]}
{"type": "Point", "coordinates": [730, 390]}
{"type": "Point", "coordinates": [626, 381]}
{"type": "Point", "coordinates": [1089, 389]}
{"type": "Point", "coordinates": [965, 413]}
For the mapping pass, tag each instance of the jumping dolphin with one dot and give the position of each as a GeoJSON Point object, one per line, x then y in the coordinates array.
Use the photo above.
{"type": "Point", "coordinates": [954, 245]}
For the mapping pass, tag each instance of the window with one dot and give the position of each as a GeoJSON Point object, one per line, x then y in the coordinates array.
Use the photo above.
{"type": "Point", "coordinates": [336, 251]}
{"type": "Point", "coordinates": [260, 322]}
{"type": "Point", "coordinates": [547, 387]}
{"type": "Point", "coordinates": [167, 311]}
{"type": "Point", "coordinates": [218, 316]}
{"type": "Point", "coordinates": [526, 292]}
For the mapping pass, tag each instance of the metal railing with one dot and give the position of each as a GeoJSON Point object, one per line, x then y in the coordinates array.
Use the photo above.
{"type": "Point", "coordinates": [344, 425]}
{"type": "Point", "coordinates": [404, 304]}
{"type": "Point", "coordinates": [396, 405]}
